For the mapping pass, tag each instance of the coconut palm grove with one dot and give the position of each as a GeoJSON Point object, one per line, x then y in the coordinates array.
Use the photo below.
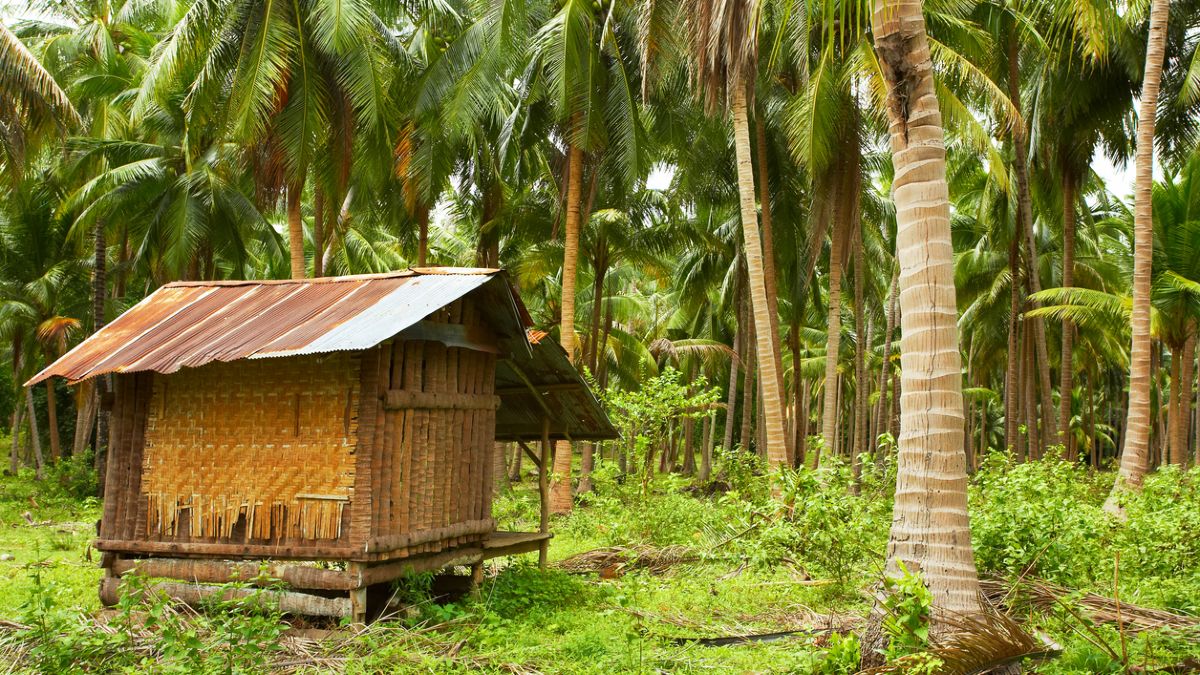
{"type": "Point", "coordinates": [894, 305]}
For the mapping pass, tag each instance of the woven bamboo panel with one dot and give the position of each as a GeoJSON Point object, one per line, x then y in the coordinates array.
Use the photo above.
{"type": "Point", "coordinates": [262, 447]}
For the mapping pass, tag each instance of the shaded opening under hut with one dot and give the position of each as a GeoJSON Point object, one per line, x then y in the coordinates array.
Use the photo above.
{"type": "Point", "coordinates": [345, 419]}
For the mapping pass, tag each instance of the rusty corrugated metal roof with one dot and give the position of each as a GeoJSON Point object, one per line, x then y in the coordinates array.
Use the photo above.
{"type": "Point", "coordinates": [192, 323]}
{"type": "Point", "coordinates": [529, 387]}
{"type": "Point", "coordinates": [189, 324]}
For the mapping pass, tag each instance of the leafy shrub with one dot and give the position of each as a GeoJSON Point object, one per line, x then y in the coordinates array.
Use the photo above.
{"type": "Point", "coordinates": [1040, 518]}
{"type": "Point", "coordinates": [522, 589]}
{"type": "Point", "coordinates": [820, 524]}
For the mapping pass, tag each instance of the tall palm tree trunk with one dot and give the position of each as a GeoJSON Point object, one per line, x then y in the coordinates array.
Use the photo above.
{"type": "Point", "coordinates": [571, 249]}
{"type": "Point", "coordinates": [767, 341]}
{"type": "Point", "coordinates": [1137, 423]}
{"type": "Point", "coordinates": [1012, 394]}
{"type": "Point", "coordinates": [768, 244]}
{"type": "Point", "coordinates": [1068, 327]}
{"type": "Point", "coordinates": [1025, 218]}
{"type": "Point", "coordinates": [1170, 443]}
{"type": "Point", "coordinates": [295, 218]}
{"type": "Point", "coordinates": [52, 420]}
{"type": "Point", "coordinates": [885, 366]}
{"type": "Point", "coordinates": [930, 530]}
{"type": "Point", "coordinates": [1187, 373]}
{"type": "Point", "coordinates": [833, 343]}
{"type": "Point", "coordinates": [731, 399]}
{"type": "Point", "coordinates": [14, 457]}
{"type": "Point", "coordinates": [858, 444]}
{"type": "Point", "coordinates": [34, 437]}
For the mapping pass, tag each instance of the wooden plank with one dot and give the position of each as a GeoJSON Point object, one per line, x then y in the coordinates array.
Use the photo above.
{"type": "Point", "coordinates": [289, 602]}
{"type": "Point", "coordinates": [230, 550]}
{"type": "Point", "coordinates": [226, 571]}
{"type": "Point", "coordinates": [426, 536]}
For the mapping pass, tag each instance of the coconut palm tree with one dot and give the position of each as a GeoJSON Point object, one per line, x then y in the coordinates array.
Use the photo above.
{"type": "Point", "coordinates": [31, 101]}
{"type": "Point", "coordinates": [930, 530]}
{"type": "Point", "coordinates": [1135, 454]}
{"type": "Point", "coordinates": [280, 80]}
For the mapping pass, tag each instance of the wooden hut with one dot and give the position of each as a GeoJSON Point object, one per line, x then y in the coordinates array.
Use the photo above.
{"type": "Point", "coordinates": [345, 419]}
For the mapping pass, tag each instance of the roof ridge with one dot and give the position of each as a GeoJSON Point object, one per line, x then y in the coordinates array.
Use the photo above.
{"type": "Point", "coordinates": [397, 274]}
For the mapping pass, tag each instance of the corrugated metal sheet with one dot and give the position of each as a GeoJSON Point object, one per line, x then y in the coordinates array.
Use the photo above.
{"type": "Point", "coordinates": [574, 412]}
{"type": "Point", "coordinates": [189, 324]}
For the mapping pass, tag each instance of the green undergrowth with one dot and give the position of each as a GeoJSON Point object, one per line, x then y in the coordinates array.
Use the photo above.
{"type": "Point", "coordinates": [755, 565]}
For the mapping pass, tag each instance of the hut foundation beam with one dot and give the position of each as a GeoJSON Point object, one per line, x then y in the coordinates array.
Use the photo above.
{"type": "Point", "coordinates": [225, 571]}
{"type": "Point", "coordinates": [289, 602]}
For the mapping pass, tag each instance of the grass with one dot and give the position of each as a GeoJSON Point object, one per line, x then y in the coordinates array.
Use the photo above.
{"type": "Point", "coordinates": [758, 572]}
{"type": "Point", "coordinates": [57, 544]}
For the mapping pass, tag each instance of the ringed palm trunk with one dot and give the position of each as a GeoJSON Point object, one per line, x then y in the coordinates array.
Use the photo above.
{"type": "Point", "coordinates": [561, 499]}
{"type": "Point", "coordinates": [833, 343]}
{"type": "Point", "coordinates": [1173, 406]}
{"type": "Point", "coordinates": [1025, 215]}
{"type": "Point", "coordinates": [768, 244]}
{"type": "Point", "coordinates": [1068, 328]}
{"type": "Point", "coordinates": [1183, 430]}
{"type": "Point", "coordinates": [296, 229]}
{"type": "Point", "coordinates": [930, 530]}
{"type": "Point", "coordinates": [1137, 422]}
{"type": "Point", "coordinates": [571, 249]}
{"type": "Point", "coordinates": [767, 341]}
{"type": "Point", "coordinates": [884, 367]}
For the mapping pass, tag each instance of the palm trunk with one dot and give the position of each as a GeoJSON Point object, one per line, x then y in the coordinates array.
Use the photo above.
{"type": "Point", "coordinates": [1170, 448]}
{"type": "Point", "coordinates": [14, 463]}
{"type": "Point", "coordinates": [930, 530]}
{"type": "Point", "coordinates": [833, 342]}
{"type": "Point", "coordinates": [1025, 215]}
{"type": "Point", "coordinates": [571, 247]}
{"type": "Point", "coordinates": [1068, 328]}
{"type": "Point", "coordinates": [748, 392]}
{"type": "Point", "coordinates": [706, 455]}
{"type": "Point", "coordinates": [295, 218]}
{"type": "Point", "coordinates": [885, 365]}
{"type": "Point", "coordinates": [318, 230]}
{"type": "Point", "coordinates": [862, 339]}
{"type": "Point", "coordinates": [34, 437]}
{"type": "Point", "coordinates": [1137, 423]}
{"type": "Point", "coordinates": [1032, 443]}
{"type": "Point", "coordinates": [731, 398]}
{"type": "Point", "coordinates": [1181, 423]}
{"type": "Point", "coordinates": [561, 498]}
{"type": "Point", "coordinates": [767, 341]}
{"type": "Point", "coordinates": [514, 476]}
{"type": "Point", "coordinates": [1012, 394]}
{"type": "Point", "coordinates": [85, 416]}
{"type": "Point", "coordinates": [422, 236]}
{"type": "Point", "coordinates": [103, 384]}
{"type": "Point", "coordinates": [768, 245]}
{"type": "Point", "coordinates": [52, 421]}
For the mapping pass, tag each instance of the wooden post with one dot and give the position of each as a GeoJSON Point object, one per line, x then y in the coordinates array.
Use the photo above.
{"type": "Point", "coordinates": [358, 596]}
{"type": "Point", "coordinates": [544, 493]}
{"type": "Point", "coordinates": [476, 578]}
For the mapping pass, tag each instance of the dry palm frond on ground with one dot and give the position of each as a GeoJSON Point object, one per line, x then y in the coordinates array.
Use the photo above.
{"type": "Point", "coordinates": [1102, 609]}
{"type": "Point", "coordinates": [977, 644]}
{"type": "Point", "coordinates": [298, 650]}
{"type": "Point", "coordinates": [613, 561]}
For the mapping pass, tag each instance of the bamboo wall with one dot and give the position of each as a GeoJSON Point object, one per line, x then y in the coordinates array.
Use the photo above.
{"type": "Point", "coordinates": [433, 482]}
{"type": "Point", "coordinates": [284, 457]}
{"type": "Point", "coordinates": [264, 447]}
